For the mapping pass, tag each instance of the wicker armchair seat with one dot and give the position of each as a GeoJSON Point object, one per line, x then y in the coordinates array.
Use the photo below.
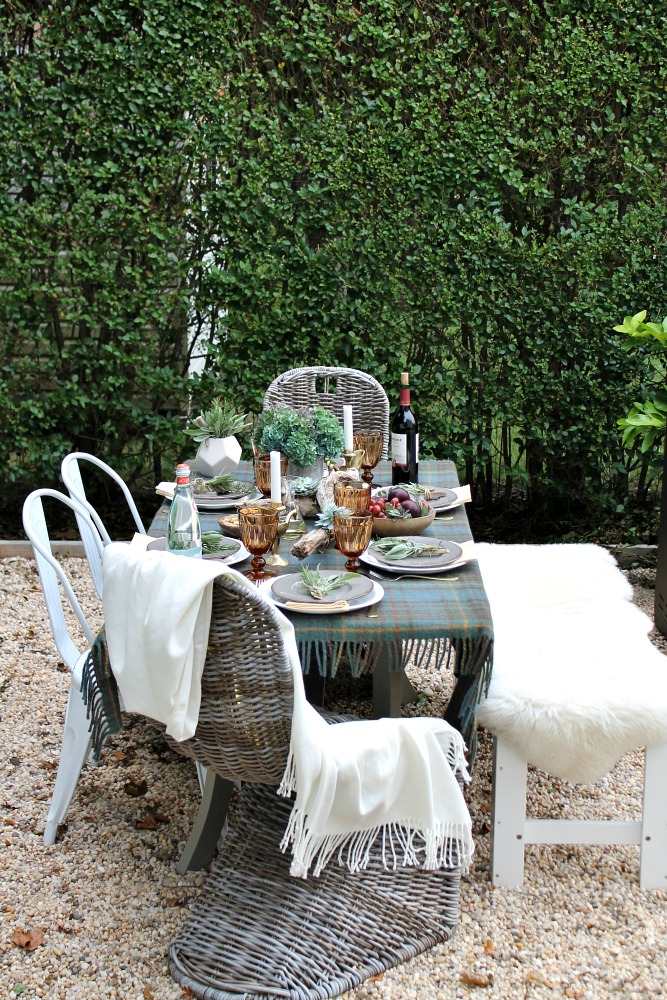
{"type": "Point", "coordinates": [255, 932]}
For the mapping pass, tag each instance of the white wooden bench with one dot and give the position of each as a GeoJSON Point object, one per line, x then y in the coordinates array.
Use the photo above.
{"type": "Point", "coordinates": [576, 684]}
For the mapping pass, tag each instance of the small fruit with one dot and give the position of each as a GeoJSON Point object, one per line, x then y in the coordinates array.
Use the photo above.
{"type": "Point", "coordinates": [412, 507]}
{"type": "Point", "coordinates": [398, 493]}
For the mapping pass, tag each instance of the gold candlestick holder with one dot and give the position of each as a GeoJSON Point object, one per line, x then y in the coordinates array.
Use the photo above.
{"type": "Point", "coordinates": [353, 459]}
{"type": "Point", "coordinates": [275, 559]}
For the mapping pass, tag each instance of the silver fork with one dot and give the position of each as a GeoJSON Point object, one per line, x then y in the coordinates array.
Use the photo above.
{"type": "Point", "coordinates": [419, 576]}
{"type": "Point", "coordinates": [410, 576]}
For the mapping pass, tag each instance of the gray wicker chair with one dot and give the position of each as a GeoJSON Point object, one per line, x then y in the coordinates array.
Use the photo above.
{"type": "Point", "coordinates": [332, 388]}
{"type": "Point", "coordinates": [255, 932]}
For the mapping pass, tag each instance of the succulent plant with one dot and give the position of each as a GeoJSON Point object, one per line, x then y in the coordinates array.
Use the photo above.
{"type": "Point", "coordinates": [325, 519]}
{"type": "Point", "coordinates": [220, 421]}
{"type": "Point", "coordinates": [301, 434]}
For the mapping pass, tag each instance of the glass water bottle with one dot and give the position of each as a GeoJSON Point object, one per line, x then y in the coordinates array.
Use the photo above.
{"type": "Point", "coordinates": [183, 527]}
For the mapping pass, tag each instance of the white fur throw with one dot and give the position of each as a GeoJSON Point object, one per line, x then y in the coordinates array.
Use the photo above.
{"type": "Point", "coordinates": [576, 681]}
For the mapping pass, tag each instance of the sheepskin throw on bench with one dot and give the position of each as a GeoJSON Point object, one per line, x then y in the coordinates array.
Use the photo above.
{"type": "Point", "coordinates": [576, 681]}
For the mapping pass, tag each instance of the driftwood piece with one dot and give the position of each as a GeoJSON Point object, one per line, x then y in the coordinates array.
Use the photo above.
{"type": "Point", "coordinates": [316, 539]}
{"type": "Point", "coordinates": [307, 506]}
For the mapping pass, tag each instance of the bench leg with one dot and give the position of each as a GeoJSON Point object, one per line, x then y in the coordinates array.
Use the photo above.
{"type": "Point", "coordinates": [653, 858]}
{"type": "Point", "coordinates": [508, 815]}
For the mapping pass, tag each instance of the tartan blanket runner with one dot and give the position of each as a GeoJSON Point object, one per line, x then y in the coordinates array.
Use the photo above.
{"type": "Point", "coordinates": [100, 694]}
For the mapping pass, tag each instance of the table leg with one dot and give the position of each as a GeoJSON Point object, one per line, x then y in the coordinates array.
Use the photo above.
{"type": "Point", "coordinates": [391, 690]}
{"type": "Point", "coordinates": [202, 842]}
{"type": "Point", "coordinates": [458, 711]}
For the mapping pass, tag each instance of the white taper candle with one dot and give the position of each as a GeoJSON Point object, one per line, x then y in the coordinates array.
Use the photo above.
{"type": "Point", "coordinates": [348, 435]}
{"type": "Point", "coordinates": [275, 477]}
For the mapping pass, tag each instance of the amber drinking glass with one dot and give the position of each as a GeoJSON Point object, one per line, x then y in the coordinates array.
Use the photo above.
{"type": "Point", "coordinates": [262, 467]}
{"type": "Point", "coordinates": [259, 526]}
{"type": "Point", "coordinates": [354, 496]}
{"type": "Point", "coordinates": [370, 442]}
{"type": "Point", "coordinates": [353, 534]}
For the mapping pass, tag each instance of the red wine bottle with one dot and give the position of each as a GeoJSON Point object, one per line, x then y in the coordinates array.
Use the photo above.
{"type": "Point", "coordinates": [404, 439]}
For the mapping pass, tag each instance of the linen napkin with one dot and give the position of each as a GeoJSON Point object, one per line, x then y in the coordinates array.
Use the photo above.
{"type": "Point", "coordinates": [166, 490]}
{"type": "Point", "coordinates": [463, 495]}
{"type": "Point", "coordinates": [467, 554]}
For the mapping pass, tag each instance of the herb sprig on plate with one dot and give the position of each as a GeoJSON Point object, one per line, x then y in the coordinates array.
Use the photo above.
{"type": "Point", "coordinates": [222, 484]}
{"type": "Point", "coordinates": [404, 548]}
{"type": "Point", "coordinates": [213, 542]}
{"type": "Point", "coordinates": [319, 585]}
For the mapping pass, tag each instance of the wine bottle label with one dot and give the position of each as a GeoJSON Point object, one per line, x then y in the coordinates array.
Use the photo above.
{"type": "Point", "coordinates": [399, 448]}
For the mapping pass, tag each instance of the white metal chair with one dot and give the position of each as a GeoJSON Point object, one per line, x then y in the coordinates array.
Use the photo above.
{"type": "Point", "coordinates": [332, 388]}
{"type": "Point", "coordinates": [71, 475]}
{"type": "Point", "coordinates": [576, 684]}
{"type": "Point", "coordinates": [76, 742]}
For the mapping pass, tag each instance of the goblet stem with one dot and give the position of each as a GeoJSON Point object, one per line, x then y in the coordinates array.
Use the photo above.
{"type": "Point", "coordinates": [353, 565]}
{"type": "Point", "coordinates": [367, 474]}
{"type": "Point", "coordinates": [258, 571]}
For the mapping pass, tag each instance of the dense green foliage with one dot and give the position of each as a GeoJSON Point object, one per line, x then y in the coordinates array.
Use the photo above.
{"type": "Point", "coordinates": [302, 435]}
{"type": "Point", "coordinates": [474, 191]}
{"type": "Point", "coordinates": [646, 419]}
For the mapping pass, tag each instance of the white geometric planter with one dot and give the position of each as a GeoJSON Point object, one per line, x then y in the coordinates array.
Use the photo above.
{"type": "Point", "coordinates": [217, 455]}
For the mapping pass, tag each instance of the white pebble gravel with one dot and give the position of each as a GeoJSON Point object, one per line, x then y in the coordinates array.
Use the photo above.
{"type": "Point", "coordinates": [107, 899]}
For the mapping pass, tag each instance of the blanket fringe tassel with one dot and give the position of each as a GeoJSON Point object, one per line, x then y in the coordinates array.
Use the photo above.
{"type": "Point", "coordinates": [446, 845]}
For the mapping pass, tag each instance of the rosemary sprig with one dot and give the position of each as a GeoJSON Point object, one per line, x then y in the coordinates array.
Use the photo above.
{"type": "Point", "coordinates": [404, 548]}
{"type": "Point", "coordinates": [213, 541]}
{"type": "Point", "coordinates": [224, 483]}
{"type": "Point", "coordinates": [318, 585]}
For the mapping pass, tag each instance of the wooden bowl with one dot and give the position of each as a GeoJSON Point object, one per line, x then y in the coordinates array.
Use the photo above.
{"type": "Point", "coordinates": [385, 527]}
{"type": "Point", "coordinates": [230, 525]}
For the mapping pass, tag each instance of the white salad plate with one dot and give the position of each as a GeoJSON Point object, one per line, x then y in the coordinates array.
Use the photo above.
{"type": "Point", "coordinates": [415, 564]}
{"type": "Point", "coordinates": [209, 501]}
{"type": "Point", "coordinates": [229, 558]}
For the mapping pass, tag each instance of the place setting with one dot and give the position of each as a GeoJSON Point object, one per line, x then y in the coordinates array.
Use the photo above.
{"type": "Point", "coordinates": [322, 592]}
{"type": "Point", "coordinates": [316, 592]}
{"type": "Point", "coordinates": [222, 492]}
{"type": "Point", "coordinates": [214, 546]}
{"type": "Point", "coordinates": [409, 556]}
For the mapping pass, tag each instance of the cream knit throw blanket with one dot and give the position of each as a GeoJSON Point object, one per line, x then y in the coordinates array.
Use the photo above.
{"type": "Point", "coordinates": [392, 780]}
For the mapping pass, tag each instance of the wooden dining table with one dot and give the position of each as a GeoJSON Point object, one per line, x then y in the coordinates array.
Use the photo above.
{"type": "Point", "coordinates": [446, 623]}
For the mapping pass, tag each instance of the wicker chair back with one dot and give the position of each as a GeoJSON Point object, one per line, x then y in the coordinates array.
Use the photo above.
{"type": "Point", "coordinates": [245, 718]}
{"type": "Point", "coordinates": [332, 388]}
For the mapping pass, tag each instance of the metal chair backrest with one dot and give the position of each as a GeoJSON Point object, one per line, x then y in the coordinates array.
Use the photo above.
{"type": "Point", "coordinates": [332, 388]}
{"type": "Point", "coordinates": [245, 718]}
{"type": "Point", "coordinates": [71, 475]}
{"type": "Point", "coordinates": [51, 571]}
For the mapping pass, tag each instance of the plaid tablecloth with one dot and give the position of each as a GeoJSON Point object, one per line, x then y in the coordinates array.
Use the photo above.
{"type": "Point", "coordinates": [416, 619]}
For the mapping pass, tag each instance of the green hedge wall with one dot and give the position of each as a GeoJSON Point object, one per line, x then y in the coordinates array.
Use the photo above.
{"type": "Point", "coordinates": [475, 191]}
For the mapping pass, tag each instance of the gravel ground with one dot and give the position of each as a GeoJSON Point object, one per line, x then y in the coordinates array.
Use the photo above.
{"type": "Point", "coordinates": [97, 910]}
